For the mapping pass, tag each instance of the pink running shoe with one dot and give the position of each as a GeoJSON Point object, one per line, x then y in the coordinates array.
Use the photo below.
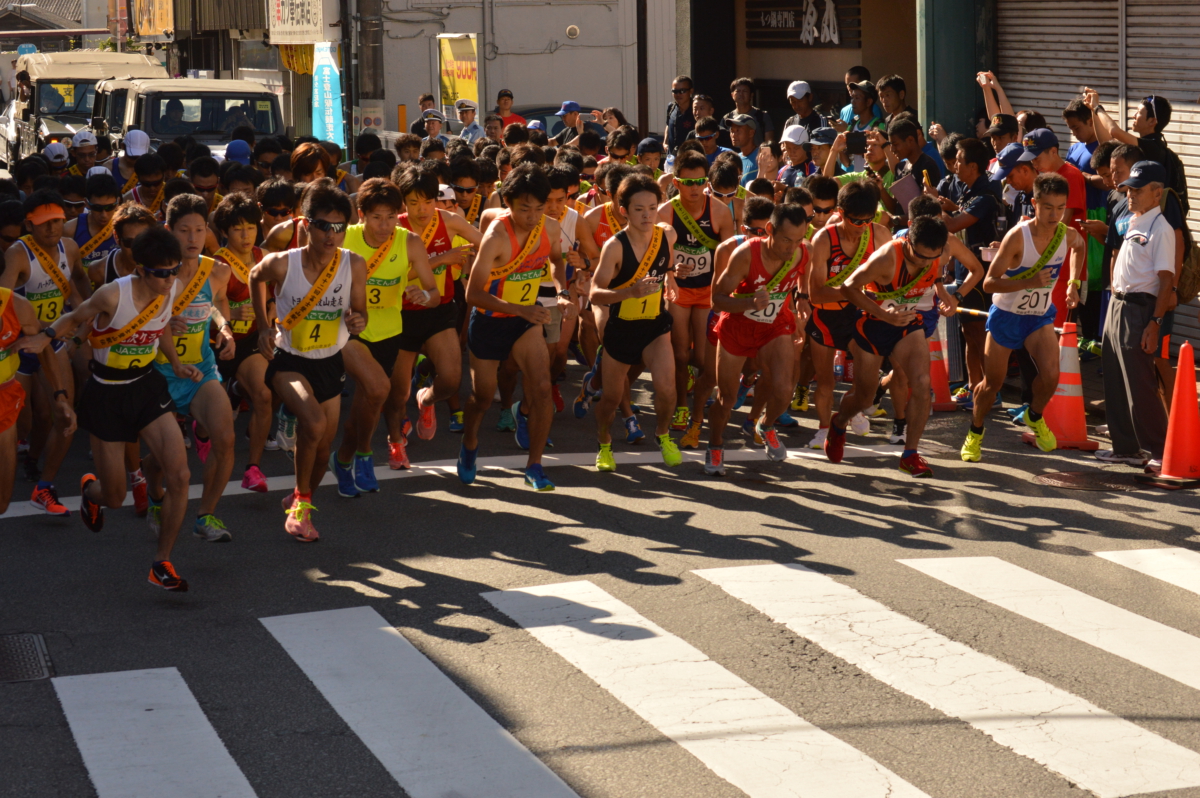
{"type": "Point", "coordinates": [202, 447]}
{"type": "Point", "coordinates": [427, 422]}
{"type": "Point", "coordinates": [398, 455]}
{"type": "Point", "coordinates": [299, 519]}
{"type": "Point", "coordinates": [254, 480]}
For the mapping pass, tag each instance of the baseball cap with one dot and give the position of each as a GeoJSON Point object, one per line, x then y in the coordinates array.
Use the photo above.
{"type": "Point", "coordinates": [83, 138]}
{"type": "Point", "coordinates": [823, 135]}
{"type": "Point", "coordinates": [745, 120]}
{"type": "Point", "coordinates": [433, 113]}
{"type": "Point", "coordinates": [798, 89]}
{"type": "Point", "coordinates": [536, 124]}
{"type": "Point", "coordinates": [794, 134]}
{"type": "Point", "coordinates": [504, 93]}
{"type": "Point", "coordinates": [1143, 173]}
{"type": "Point", "coordinates": [98, 170]}
{"type": "Point", "coordinates": [445, 192]}
{"type": "Point", "coordinates": [56, 152]}
{"type": "Point", "coordinates": [649, 145]}
{"type": "Point", "coordinates": [867, 88]}
{"type": "Point", "coordinates": [44, 213]}
{"type": "Point", "coordinates": [465, 105]}
{"type": "Point", "coordinates": [1007, 160]}
{"type": "Point", "coordinates": [1002, 125]}
{"type": "Point", "coordinates": [568, 107]}
{"type": "Point", "coordinates": [1038, 141]}
{"type": "Point", "coordinates": [137, 142]}
{"type": "Point", "coordinates": [239, 151]}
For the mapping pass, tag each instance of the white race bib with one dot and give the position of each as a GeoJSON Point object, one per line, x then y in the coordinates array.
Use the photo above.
{"type": "Point", "coordinates": [767, 315]}
{"type": "Point", "coordinates": [700, 264]}
{"type": "Point", "coordinates": [1032, 302]}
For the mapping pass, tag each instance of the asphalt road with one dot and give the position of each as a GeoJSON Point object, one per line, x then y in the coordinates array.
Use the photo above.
{"type": "Point", "coordinates": [302, 709]}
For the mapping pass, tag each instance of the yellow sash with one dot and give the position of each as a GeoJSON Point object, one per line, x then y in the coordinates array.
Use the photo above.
{"type": "Point", "coordinates": [96, 240]}
{"type": "Point", "coordinates": [153, 206]}
{"type": "Point", "coordinates": [473, 211]}
{"type": "Point", "coordinates": [614, 223]}
{"type": "Point", "coordinates": [51, 308]}
{"type": "Point", "coordinates": [377, 258]}
{"type": "Point", "coordinates": [646, 307]}
{"type": "Point", "coordinates": [189, 293]}
{"type": "Point", "coordinates": [108, 339]}
{"type": "Point", "coordinates": [9, 362]}
{"type": "Point", "coordinates": [530, 245]}
{"type": "Point", "coordinates": [313, 296]}
{"type": "Point", "coordinates": [242, 272]}
{"type": "Point", "coordinates": [130, 183]}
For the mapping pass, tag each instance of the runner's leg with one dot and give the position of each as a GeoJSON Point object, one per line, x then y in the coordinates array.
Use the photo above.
{"type": "Point", "coordinates": [729, 376]}
{"type": "Point", "coordinates": [483, 389]}
{"type": "Point", "coordinates": [616, 374]}
{"type": "Point", "coordinates": [211, 408]}
{"type": "Point", "coordinates": [1042, 345]}
{"type": "Point", "coordinates": [311, 420]}
{"type": "Point", "coordinates": [912, 355]}
{"type": "Point", "coordinates": [371, 387]}
{"type": "Point", "coordinates": [822, 360]}
{"type": "Point", "coordinates": [58, 444]}
{"type": "Point", "coordinates": [659, 357]}
{"type": "Point", "coordinates": [165, 442]}
{"type": "Point", "coordinates": [778, 359]}
{"type": "Point", "coordinates": [995, 368]}
{"type": "Point", "coordinates": [530, 355]}
{"type": "Point", "coordinates": [866, 380]}
{"type": "Point", "coordinates": [251, 378]}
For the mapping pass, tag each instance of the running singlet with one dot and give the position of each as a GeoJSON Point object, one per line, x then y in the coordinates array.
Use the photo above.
{"type": "Point", "coordinates": [387, 277]}
{"type": "Point", "coordinates": [437, 240]}
{"type": "Point", "coordinates": [517, 280]}
{"type": "Point", "coordinates": [1032, 301]}
{"type": "Point", "coordinates": [93, 248]}
{"type": "Point", "coordinates": [906, 291]}
{"type": "Point", "coordinates": [691, 249]}
{"type": "Point", "coordinates": [547, 292]}
{"type": "Point", "coordinates": [779, 284]}
{"type": "Point", "coordinates": [843, 264]}
{"type": "Point", "coordinates": [126, 185]}
{"type": "Point", "coordinates": [610, 225]}
{"type": "Point", "coordinates": [655, 264]}
{"type": "Point", "coordinates": [10, 331]}
{"type": "Point", "coordinates": [192, 345]}
{"type": "Point", "coordinates": [238, 289]}
{"type": "Point", "coordinates": [48, 285]}
{"type": "Point", "coordinates": [322, 332]}
{"type": "Point", "coordinates": [137, 348]}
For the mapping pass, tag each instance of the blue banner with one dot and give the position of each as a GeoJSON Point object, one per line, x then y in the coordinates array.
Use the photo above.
{"type": "Point", "coordinates": [327, 119]}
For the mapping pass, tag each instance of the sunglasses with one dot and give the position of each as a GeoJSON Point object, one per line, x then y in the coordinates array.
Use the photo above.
{"type": "Point", "coordinates": [264, 164]}
{"type": "Point", "coordinates": [150, 183]}
{"type": "Point", "coordinates": [823, 211]}
{"type": "Point", "coordinates": [74, 203]}
{"type": "Point", "coordinates": [724, 194]}
{"type": "Point", "coordinates": [206, 189]}
{"type": "Point", "coordinates": [755, 231]}
{"type": "Point", "coordinates": [327, 227]}
{"type": "Point", "coordinates": [1149, 101]}
{"type": "Point", "coordinates": [706, 138]}
{"type": "Point", "coordinates": [464, 189]}
{"type": "Point", "coordinates": [691, 181]}
{"type": "Point", "coordinates": [96, 207]}
{"type": "Point", "coordinates": [161, 273]}
{"type": "Point", "coordinates": [860, 222]}
{"type": "Point", "coordinates": [285, 211]}
{"type": "Point", "coordinates": [680, 91]}
{"type": "Point", "coordinates": [574, 196]}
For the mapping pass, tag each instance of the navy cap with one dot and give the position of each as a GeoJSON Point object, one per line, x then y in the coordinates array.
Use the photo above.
{"type": "Point", "coordinates": [239, 151]}
{"type": "Point", "coordinates": [1038, 141]}
{"type": "Point", "coordinates": [649, 145]}
{"type": "Point", "coordinates": [1003, 125]}
{"type": "Point", "coordinates": [568, 107]}
{"type": "Point", "coordinates": [535, 124]}
{"type": "Point", "coordinates": [823, 135]}
{"type": "Point", "coordinates": [1007, 160]}
{"type": "Point", "coordinates": [1143, 173]}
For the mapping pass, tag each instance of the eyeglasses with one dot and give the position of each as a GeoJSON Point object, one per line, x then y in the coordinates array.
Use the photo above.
{"type": "Point", "coordinates": [464, 189]}
{"type": "Point", "coordinates": [284, 211]}
{"type": "Point", "coordinates": [95, 207]}
{"type": "Point", "coordinates": [327, 227]}
{"type": "Point", "coordinates": [724, 194]}
{"type": "Point", "coordinates": [755, 231]}
{"type": "Point", "coordinates": [823, 211]}
{"type": "Point", "coordinates": [161, 273]}
{"type": "Point", "coordinates": [691, 181]}
{"type": "Point", "coordinates": [150, 183]}
{"type": "Point", "coordinates": [264, 164]}
{"type": "Point", "coordinates": [126, 243]}
{"type": "Point", "coordinates": [860, 222]}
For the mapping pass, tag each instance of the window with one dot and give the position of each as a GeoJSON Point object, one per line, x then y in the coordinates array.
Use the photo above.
{"type": "Point", "coordinates": [66, 98]}
{"type": "Point", "coordinates": [115, 109]}
{"type": "Point", "coordinates": [180, 114]}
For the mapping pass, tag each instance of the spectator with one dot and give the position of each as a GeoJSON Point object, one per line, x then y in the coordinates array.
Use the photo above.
{"type": "Point", "coordinates": [800, 97]}
{"type": "Point", "coordinates": [706, 132]}
{"type": "Point", "coordinates": [702, 106]}
{"type": "Point", "coordinates": [742, 90]}
{"type": "Point", "coordinates": [893, 97]}
{"type": "Point", "coordinates": [742, 128]}
{"type": "Point", "coordinates": [471, 131]}
{"type": "Point", "coordinates": [927, 146]}
{"type": "Point", "coordinates": [504, 103]}
{"type": "Point", "coordinates": [1151, 118]}
{"type": "Point", "coordinates": [820, 143]}
{"type": "Point", "coordinates": [904, 137]}
{"type": "Point", "coordinates": [795, 152]}
{"type": "Point", "coordinates": [434, 122]}
{"type": "Point", "coordinates": [1004, 130]}
{"type": "Point", "coordinates": [12, 83]}
{"type": "Point", "coordinates": [571, 122]}
{"type": "Point", "coordinates": [424, 103]}
{"type": "Point", "coordinates": [680, 119]}
{"type": "Point", "coordinates": [1031, 120]}
{"type": "Point", "coordinates": [769, 158]}
{"type": "Point", "coordinates": [863, 99]}
{"type": "Point", "coordinates": [854, 76]}
{"type": "Point", "coordinates": [1012, 179]}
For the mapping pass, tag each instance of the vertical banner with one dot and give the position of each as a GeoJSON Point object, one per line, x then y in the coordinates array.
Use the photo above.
{"type": "Point", "coordinates": [458, 68]}
{"type": "Point", "coordinates": [327, 119]}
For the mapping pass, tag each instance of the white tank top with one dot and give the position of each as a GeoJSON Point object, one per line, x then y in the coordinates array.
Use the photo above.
{"type": "Point", "coordinates": [139, 348]}
{"type": "Point", "coordinates": [1031, 301]}
{"type": "Point", "coordinates": [40, 289]}
{"type": "Point", "coordinates": [567, 228]}
{"type": "Point", "coordinates": [322, 333]}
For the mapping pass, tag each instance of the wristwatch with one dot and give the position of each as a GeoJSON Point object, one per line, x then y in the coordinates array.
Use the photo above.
{"type": "Point", "coordinates": [958, 297]}
{"type": "Point", "coordinates": [50, 333]}
{"type": "Point", "coordinates": [565, 293]}
{"type": "Point", "coordinates": [802, 296]}
{"type": "Point", "coordinates": [1157, 320]}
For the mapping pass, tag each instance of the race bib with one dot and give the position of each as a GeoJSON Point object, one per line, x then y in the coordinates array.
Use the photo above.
{"type": "Point", "coordinates": [240, 326]}
{"type": "Point", "coordinates": [1033, 302]}
{"type": "Point", "coordinates": [317, 330]}
{"type": "Point", "coordinates": [383, 292]}
{"type": "Point", "coordinates": [48, 304]}
{"type": "Point", "coordinates": [776, 303]}
{"type": "Point", "coordinates": [637, 309]}
{"type": "Point", "coordinates": [189, 346]}
{"type": "Point", "coordinates": [522, 288]}
{"type": "Point", "coordinates": [126, 355]}
{"type": "Point", "coordinates": [700, 261]}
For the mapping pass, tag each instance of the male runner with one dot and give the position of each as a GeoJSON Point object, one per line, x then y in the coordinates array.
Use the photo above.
{"type": "Point", "coordinates": [136, 144]}
{"type": "Point", "coordinates": [700, 225]}
{"type": "Point", "coordinates": [506, 319]}
{"type": "Point", "coordinates": [899, 274]}
{"type": "Point", "coordinates": [151, 177]}
{"type": "Point", "coordinates": [320, 299]}
{"type": "Point", "coordinates": [83, 151]}
{"type": "Point", "coordinates": [1022, 278]}
{"type": "Point", "coordinates": [391, 254]}
{"type": "Point", "coordinates": [633, 267]}
{"type": "Point", "coordinates": [205, 176]}
{"type": "Point", "coordinates": [92, 230]}
{"type": "Point", "coordinates": [755, 296]}
{"type": "Point", "coordinates": [464, 182]}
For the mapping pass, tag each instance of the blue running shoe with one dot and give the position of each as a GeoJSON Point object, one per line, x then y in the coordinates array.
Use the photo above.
{"type": "Point", "coordinates": [364, 474]}
{"type": "Point", "coordinates": [577, 353]}
{"type": "Point", "coordinates": [345, 477]}
{"type": "Point", "coordinates": [506, 423]}
{"type": "Point", "coordinates": [535, 478]}
{"type": "Point", "coordinates": [522, 431]}
{"type": "Point", "coordinates": [456, 421]}
{"type": "Point", "coordinates": [786, 421]}
{"type": "Point", "coordinates": [743, 391]}
{"type": "Point", "coordinates": [633, 433]}
{"type": "Point", "coordinates": [1017, 414]}
{"type": "Point", "coordinates": [583, 402]}
{"type": "Point", "coordinates": [466, 464]}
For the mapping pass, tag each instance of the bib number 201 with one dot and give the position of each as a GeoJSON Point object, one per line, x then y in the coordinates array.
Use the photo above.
{"type": "Point", "coordinates": [1034, 303]}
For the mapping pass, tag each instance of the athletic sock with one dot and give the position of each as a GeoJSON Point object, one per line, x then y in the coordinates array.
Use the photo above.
{"type": "Point", "coordinates": [345, 464]}
{"type": "Point", "coordinates": [1033, 415]}
{"type": "Point", "coordinates": [251, 465]}
{"type": "Point", "coordinates": [879, 392]}
{"type": "Point", "coordinates": [43, 484]}
{"type": "Point", "coordinates": [976, 430]}
{"type": "Point", "coordinates": [363, 454]}
{"type": "Point", "coordinates": [908, 453]}
{"type": "Point", "coordinates": [136, 476]}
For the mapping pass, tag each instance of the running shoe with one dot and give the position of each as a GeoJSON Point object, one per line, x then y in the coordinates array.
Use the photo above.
{"type": "Point", "coordinates": [1138, 460]}
{"type": "Point", "coordinates": [743, 392]}
{"type": "Point", "coordinates": [285, 434]}
{"type": "Point", "coordinates": [209, 527]}
{"type": "Point", "coordinates": [691, 383]}
{"type": "Point", "coordinates": [818, 441]}
{"type": "Point", "coordinates": [163, 575]}
{"type": "Point", "coordinates": [364, 474]}
{"type": "Point", "coordinates": [506, 422]}
{"type": "Point", "coordinates": [915, 466]}
{"type": "Point", "coordinates": [714, 462]}
{"type": "Point", "coordinates": [961, 394]}
{"type": "Point", "coordinates": [776, 451]}
{"type": "Point", "coordinates": [22, 446]}
{"type": "Point", "coordinates": [154, 517]}
{"type": "Point", "coordinates": [456, 422]}
{"type": "Point", "coordinates": [344, 474]}
{"type": "Point", "coordinates": [254, 480]}
{"type": "Point", "coordinates": [556, 395]}
{"type": "Point", "coordinates": [466, 464]}
{"type": "Point", "coordinates": [800, 399]}
{"type": "Point", "coordinates": [398, 455]}
{"type": "Point", "coordinates": [522, 431]}
{"type": "Point", "coordinates": [141, 494]}
{"type": "Point", "coordinates": [1017, 414]}
{"type": "Point", "coordinates": [859, 425]}
{"type": "Point", "coordinates": [406, 428]}
{"type": "Point", "coordinates": [1154, 467]}
{"type": "Point", "coordinates": [997, 403]}
{"type": "Point", "coordinates": [835, 444]}
{"type": "Point", "coordinates": [583, 402]}
{"type": "Point", "coordinates": [46, 500]}
{"type": "Point", "coordinates": [633, 432]}
{"type": "Point", "coordinates": [874, 411]}
{"type": "Point", "coordinates": [418, 380]}
{"type": "Point", "coordinates": [691, 438]}
{"type": "Point", "coordinates": [1042, 435]}
{"type": "Point", "coordinates": [972, 448]}
{"type": "Point", "coordinates": [299, 520]}
{"type": "Point", "coordinates": [33, 472]}
{"type": "Point", "coordinates": [535, 478]}
{"type": "Point", "coordinates": [427, 415]}
{"type": "Point", "coordinates": [786, 421]}
{"type": "Point", "coordinates": [271, 445]}
{"type": "Point", "coordinates": [91, 512]}
{"type": "Point", "coordinates": [604, 458]}
{"type": "Point", "coordinates": [670, 452]}
{"type": "Point", "coordinates": [574, 351]}
{"type": "Point", "coordinates": [750, 430]}
{"type": "Point", "coordinates": [899, 430]}
{"type": "Point", "coordinates": [203, 447]}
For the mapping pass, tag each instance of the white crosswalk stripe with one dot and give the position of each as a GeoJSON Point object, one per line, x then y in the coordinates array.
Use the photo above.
{"type": "Point", "coordinates": [753, 742]}
{"type": "Point", "coordinates": [1179, 567]}
{"type": "Point", "coordinates": [143, 735]}
{"type": "Point", "coordinates": [433, 739]}
{"type": "Point", "coordinates": [1097, 750]}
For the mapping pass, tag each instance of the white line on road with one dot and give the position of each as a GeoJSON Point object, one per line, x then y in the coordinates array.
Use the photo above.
{"type": "Point", "coordinates": [1099, 751]}
{"type": "Point", "coordinates": [432, 738]}
{"type": "Point", "coordinates": [1148, 643]}
{"type": "Point", "coordinates": [1179, 567]}
{"type": "Point", "coordinates": [746, 738]}
{"type": "Point", "coordinates": [143, 735]}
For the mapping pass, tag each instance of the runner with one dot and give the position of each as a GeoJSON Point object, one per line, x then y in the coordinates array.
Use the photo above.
{"type": "Point", "coordinates": [837, 250]}
{"type": "Point", "coordinates": [44, 267]}
{"type": "Point", "coordinates": [464, 182]}
{"type": "Point", "coordinates": [1022, 278]}
{"type": "Point", "coordinates": [92, 230]}
{"type": "Point", "coordinates": [151, 175]}
{"type": "Point", "coordinates": [700, 225]}
{"type": "Point", "coordinates": [127, 399]}
{"type": "Point", "coordinates": [320, 299]}
{"type": "Point", "coordinates": [899, 274]}
{"type": "Point", "coordinates": [137, 144]}
{"type": "Point", "coordinates": [755, 297]}
{"type": "Point", "coordinates": [639, 328]}
{"type": "Point", "coordinates": [205, 176]}
{"type": "Point", "coordinates": [506, 319]}
{"type": "Point", "coordinates": [391, 254]}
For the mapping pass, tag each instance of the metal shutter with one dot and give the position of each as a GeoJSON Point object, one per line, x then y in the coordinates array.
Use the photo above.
{"type": "Point", "coordinates": [1162, 56]}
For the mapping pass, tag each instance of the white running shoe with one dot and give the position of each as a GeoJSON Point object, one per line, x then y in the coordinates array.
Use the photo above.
{"type": "Point", "coordinates": [859, 425]}
{"type": "Point", "coordinates": [818, 441]}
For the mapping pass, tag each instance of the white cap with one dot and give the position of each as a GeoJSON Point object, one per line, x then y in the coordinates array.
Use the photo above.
{"type": "Point", "coordinates": [798, 89]}
{"type": "Point", "coordinates": [84, 138]}
{"type": "Point", "coordinates": [465, 105]}
{"type": "Point", "coordinates": [56, 152]}
{"type": "Point", "coordinates": [98, 170]}
{"type": "Point", "coordinates": [795, 134]}
{"type": "Point", "coordinates": [137, 142]}
{"type": "Point", "coordinates": [445, 192]}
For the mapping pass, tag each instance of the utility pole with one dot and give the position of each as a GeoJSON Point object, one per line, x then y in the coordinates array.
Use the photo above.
{"type": "Point", "coordinates": [370, 54]}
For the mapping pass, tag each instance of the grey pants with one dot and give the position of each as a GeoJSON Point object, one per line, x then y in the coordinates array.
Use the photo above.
{"type": "Point", "coordinates": [1136, 417]}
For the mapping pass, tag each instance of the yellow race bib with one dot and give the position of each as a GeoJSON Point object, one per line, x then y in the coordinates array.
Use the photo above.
{"type": "Point", "coordinates": [317, 330]}
{"type": "Point", "coordinates": [647, 307]}
{"type": "Point", "coordinates": [240, 326]}
{"type": "Point", "coordinates": [522, 288]}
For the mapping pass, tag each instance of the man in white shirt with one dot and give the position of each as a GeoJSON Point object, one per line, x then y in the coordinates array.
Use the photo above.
{"type": "Point", "coordinates": [466, 110]}
{"type": "Point", "coordinates": [1143, 290]}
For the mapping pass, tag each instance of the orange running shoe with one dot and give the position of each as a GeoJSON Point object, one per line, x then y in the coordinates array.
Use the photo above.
{"type": "Point", "coordinates": [91, 512]}
{"type": "Point", "coordinates": [141, 495]}
{"type": "Point", "coordinates": [398, 455]}
{"type": "Point", "coordinates": [427, 421]}
{"type": "Point", "coordinates": [163, 575]}
{"type": "Point", "coordinates": [46, 500]}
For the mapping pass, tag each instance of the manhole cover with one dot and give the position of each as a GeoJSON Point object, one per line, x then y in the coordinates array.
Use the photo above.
{"type": "Point", "coordinates": [23, 658]}
{"type": "Point", "coordinates": [1088, 480]}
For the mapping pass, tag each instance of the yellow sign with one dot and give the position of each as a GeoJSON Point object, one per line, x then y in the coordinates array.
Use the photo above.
{"type": "Point", "coordinates": [153, 17]}
{"type": "Point", "coordinates": [66, 91]}
{"type": "Point", "coordinates": [459, 69]}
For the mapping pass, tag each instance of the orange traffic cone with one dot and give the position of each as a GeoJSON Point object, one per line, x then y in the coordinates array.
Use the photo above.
{"type": "Point", "coordinates": [939, 376]}
{"type": "Point", "coordinates": [1064, 414]}
{"type": "Point", "coordinates": [1181, 458]}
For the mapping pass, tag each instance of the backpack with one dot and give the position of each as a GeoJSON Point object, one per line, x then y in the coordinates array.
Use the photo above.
{"type": "Point", "coordinates": [1189, 275]}
{"type": "Point", "coordinates": [1177, 179]}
